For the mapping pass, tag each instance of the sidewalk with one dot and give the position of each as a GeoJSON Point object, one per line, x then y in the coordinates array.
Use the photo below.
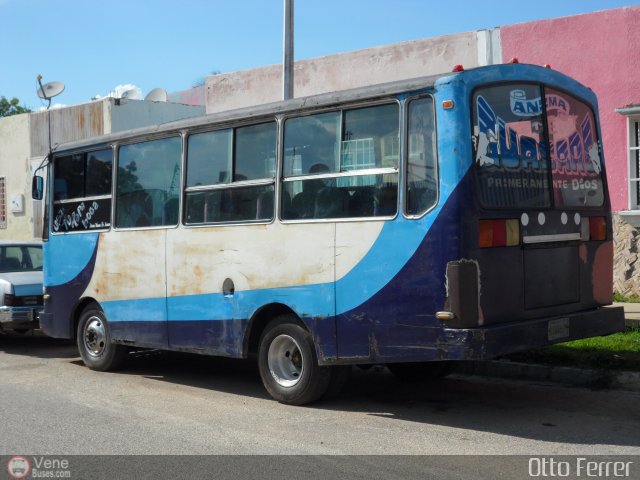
{"type": "Point", "coordinates": [570, 376]}
{"type": "Point", "coordinates": [631, 313]}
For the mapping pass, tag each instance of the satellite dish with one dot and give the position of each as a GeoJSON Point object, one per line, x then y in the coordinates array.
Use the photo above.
{"type": "Point", "coordinates": [131, 94]}
{"type": "Point", "coordinates": [157, 95]}
{"type": "Point", "coordinates": [50, 90]}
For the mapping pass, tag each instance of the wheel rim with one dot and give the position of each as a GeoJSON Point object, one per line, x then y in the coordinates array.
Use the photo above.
{"type": "Point", "coordinates": [95, 338]}
{"type": "Point", "coordinates": [285, 361]}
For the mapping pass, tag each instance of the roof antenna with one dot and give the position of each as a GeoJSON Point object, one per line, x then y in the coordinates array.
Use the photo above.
{"type": "Point", "coordinates": [49, 90]}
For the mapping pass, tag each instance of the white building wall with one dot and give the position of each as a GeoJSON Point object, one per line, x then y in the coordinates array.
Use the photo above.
{"type": "Point", "coordinates": [15, 168]}
{"type": "Point", "coordinates": [354, 69]}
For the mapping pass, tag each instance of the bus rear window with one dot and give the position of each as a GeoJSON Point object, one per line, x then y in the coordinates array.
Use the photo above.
{"type": "Point", "coordinates": [575, 155]}
{"type": "Point", "coordinates": [509, 147]}
{"type": "Point", "coordinates": [515, 167]}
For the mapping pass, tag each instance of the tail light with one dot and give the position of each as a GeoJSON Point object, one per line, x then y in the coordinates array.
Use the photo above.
{"type": "Point", "coordinates": [593, 228]}
{"type": "Point", "coordinates": [498, 233]}
{"type": "Point", "coordinates": [11, 300]}
{"type": "Point", "coordinates": [597, 228]}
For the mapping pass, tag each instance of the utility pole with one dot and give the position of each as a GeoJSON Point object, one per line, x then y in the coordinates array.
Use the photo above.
{"type": "Point", "coordinates": [287, 51]}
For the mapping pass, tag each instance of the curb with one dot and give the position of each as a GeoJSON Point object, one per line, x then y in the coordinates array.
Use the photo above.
{"type": "Point", "coordinates": [632, 322]}
{"type": "Point", "coordinates": [577, 377]}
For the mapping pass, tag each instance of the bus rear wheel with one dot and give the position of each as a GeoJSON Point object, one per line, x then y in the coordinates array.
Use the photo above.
{"type": "Point", "coordinates": [420, 371]}
{"type": "Point", "coordinates": [94, 341]}
{"type": "Point", "coordinates": [288, 363]}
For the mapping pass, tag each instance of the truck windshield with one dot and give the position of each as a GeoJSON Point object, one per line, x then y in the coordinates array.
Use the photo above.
{"type": "Point", "coordinates": [20, 258]}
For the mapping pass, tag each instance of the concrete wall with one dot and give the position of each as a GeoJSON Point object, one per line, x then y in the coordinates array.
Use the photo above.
{"type": "Point", "coordinates": [127, 114]}
{"type": "Point", "coordinates": [601, 51]}
{"type": "Point", "coordinates": [191, 96]}
{"type": "Point", "coordinates": [353, 69]}
{"type": "Point", "coordinates": [14, 166]}
{"type": "Point", "coordinates": [67, 124]}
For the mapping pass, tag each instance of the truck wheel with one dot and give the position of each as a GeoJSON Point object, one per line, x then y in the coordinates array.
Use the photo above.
{"type": "Point", "coordinates": [288, 363]}
{"type": "Point", "coordinates": [94, 341]}
{"type": "Point", "coordinates": [420, 371]}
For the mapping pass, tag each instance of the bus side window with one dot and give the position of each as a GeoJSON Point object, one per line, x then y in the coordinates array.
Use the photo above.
{"type": "Point", "coordinates": [422, 171]}
{"type": "Point", "coordinates": [320, 149]}
{"type": "Point", "coordinates": [220, 163]}
{"type": "Point", "coordinates": [148, 180]}
{"type": "Point", "coordinates": [82, 191]}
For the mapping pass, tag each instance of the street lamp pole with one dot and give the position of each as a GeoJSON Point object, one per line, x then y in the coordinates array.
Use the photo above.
{"type": "Point", "coordinates": [287, 51]}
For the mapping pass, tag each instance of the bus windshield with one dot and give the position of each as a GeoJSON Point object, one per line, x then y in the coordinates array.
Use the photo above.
{"type": "Point", "coordinates": [513, 158]}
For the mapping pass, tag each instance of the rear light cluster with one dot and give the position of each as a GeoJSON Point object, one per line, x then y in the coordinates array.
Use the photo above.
{"type": "Point", "coordinates": [593, 228]}
{"type": "Point", "coordinates": [10, 300]}
{"type": "Point", "coordinates": [499, 233]}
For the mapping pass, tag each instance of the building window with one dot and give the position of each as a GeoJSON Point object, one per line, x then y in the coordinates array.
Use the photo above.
{"type": "Point", "coordinates": [3, 202]}
{"type": "Point", "coordinates": [634, 164]}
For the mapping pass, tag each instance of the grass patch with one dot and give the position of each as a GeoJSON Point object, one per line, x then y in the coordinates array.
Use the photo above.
{"type": "Point", "coordinates": [621, 298]}
{"type": "Point", "coordinates": [620, 351]}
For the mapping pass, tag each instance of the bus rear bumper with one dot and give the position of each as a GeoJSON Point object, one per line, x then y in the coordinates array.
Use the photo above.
{"type": "Point", "coordinates": [54, 329]}
{"type": "Point", "coordinates": [489, 342]}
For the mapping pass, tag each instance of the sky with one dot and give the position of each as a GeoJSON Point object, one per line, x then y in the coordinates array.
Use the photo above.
{"type": "Point", "coordinates": [98, 46]}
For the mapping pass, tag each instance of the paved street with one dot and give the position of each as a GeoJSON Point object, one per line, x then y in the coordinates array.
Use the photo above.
{"type": "Point", "coordinates": [164, 403]}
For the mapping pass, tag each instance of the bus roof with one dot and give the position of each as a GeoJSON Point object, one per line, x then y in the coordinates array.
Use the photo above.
{"type": "Point", "coordinates": [284, 106]}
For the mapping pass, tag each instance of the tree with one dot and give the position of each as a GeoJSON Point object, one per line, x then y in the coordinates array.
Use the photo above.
{"type": "Point", "coordinates": [12, 107]}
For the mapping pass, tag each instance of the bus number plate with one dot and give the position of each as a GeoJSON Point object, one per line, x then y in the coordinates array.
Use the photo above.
{"type": "Point", "coordinates": [558, 329]}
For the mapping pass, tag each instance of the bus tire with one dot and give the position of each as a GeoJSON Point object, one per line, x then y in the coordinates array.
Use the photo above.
{"type": "Point", "coordinates": [420, 371]}
{"type": "Point", "coordinates": [94, 341]}
{"type": "Point", "coordinates": [288, 363]}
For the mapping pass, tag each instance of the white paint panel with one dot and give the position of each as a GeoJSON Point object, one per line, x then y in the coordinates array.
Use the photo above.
{"type": "Point", "coordinates": [129, 265]}
{"type": "Point", "coordinates": [255, 257]}
{"type": "Point", "coordinates": [353, 241]}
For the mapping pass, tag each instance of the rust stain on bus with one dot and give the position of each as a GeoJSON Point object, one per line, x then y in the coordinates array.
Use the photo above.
{"type": "Point", "coordinates": [128, 267]}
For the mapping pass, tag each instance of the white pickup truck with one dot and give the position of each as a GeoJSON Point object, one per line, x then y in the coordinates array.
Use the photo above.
{"type": "Point", "coordinates": [20, 285]}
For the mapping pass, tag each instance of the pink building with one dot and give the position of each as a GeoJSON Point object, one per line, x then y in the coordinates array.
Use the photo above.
{"type": "Point", "coordinates": [601, 51]}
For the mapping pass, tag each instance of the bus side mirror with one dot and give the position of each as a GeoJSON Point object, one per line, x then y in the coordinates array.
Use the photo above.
{"type": "Point", "coordinates": [37, 187]}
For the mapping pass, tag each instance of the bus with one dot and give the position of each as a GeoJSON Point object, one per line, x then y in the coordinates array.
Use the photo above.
{"type": "Point", "coordinates": [417, 223]}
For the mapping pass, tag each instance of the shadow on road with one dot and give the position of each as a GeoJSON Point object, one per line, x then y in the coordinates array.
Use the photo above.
{"type": "Point", "coordinates": [543, 412]}
{"type": "Point", "coordinates": [36, 344]}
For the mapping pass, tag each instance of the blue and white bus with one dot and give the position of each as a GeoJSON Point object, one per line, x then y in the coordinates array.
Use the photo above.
{"type": "Point", "coordinates": [454, 217]}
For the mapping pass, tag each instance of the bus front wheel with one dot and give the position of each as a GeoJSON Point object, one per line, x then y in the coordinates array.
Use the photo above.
{"type": "Point", "coordinates": [288, 363]}
{"type": "Point", "coordinates": [94, 341]}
